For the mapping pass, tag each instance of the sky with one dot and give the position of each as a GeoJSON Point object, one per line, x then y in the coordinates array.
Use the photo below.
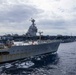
{"type": "Point", "coordinates": [53, 17]}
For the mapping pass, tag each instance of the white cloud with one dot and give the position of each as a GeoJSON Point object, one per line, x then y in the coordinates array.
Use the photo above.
{"type": "Point", "coordinates": [56, 16]}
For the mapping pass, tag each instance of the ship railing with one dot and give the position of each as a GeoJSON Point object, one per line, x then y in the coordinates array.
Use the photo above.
{"type": "Point", "coordinates": [47, 41]}
{"type": "Point", "coordinates": [34, 42]}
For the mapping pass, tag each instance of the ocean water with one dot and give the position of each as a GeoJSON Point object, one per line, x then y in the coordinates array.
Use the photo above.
{"type": "Point", "coordinates": [61, 63]}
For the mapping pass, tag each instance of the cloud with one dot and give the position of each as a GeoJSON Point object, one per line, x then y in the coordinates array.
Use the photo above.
{"type": "Point", "coordinates": [55, 24]}
{"type": "Point", "coordinates": [17, 13]}
{"type": "Point", "coordinates": [52, 16]}
{"type": "Point", "coordinates": [14, 18]}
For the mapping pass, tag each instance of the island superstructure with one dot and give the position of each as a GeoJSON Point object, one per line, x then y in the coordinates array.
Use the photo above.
{"type": "Point", "coordinates": [32, 31]}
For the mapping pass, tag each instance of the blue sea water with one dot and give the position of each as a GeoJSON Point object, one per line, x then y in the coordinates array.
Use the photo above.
{"type": "Point", "coordinates": [61, 63]}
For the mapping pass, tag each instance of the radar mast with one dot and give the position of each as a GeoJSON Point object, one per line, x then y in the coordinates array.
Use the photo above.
{"type": "Point", "coordinates": [33, 21]}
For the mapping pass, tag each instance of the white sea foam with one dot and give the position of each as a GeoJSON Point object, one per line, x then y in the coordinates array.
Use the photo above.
{"type": "Point", "coordinates": [7, 65]}
{"type": "Point", "coordinates": [26, 64]}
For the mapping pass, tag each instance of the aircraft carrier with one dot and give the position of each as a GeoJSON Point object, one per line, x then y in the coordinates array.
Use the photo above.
{"type": "Point", "coordinates": [12, 50]}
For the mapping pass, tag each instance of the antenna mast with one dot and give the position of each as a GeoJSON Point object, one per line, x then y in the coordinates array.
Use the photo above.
{"type": "Point", "coordinates": [33, 21]}
{"type": "Point", "coordinates": [40, 35]}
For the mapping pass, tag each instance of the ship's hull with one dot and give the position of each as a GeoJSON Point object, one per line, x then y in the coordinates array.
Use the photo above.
{"type": "Point", "coordinates": [19, 52]}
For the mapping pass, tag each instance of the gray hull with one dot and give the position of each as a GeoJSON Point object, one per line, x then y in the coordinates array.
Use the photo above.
{"type": "Point", "coordinates": [19, 52]}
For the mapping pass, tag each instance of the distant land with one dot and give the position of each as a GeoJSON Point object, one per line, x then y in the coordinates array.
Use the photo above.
{"type": "Point", "coordinates": [23, 37]}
